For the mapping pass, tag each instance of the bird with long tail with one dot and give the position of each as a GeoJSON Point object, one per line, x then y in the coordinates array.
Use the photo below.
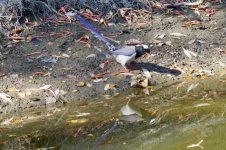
{"type": "Point", "coordinates": [124, 55]}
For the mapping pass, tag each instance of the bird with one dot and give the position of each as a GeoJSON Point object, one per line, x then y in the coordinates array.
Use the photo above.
{"type": "Point", "coordinates": [128, 54]}
{"type": "Point", "coordinates": [124, 55]}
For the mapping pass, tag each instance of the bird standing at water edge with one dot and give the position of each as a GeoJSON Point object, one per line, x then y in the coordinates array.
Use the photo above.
{"type": "Point", "coordinates": [127, 54]}
{"type": "Point", "coordinates": [124, 55]}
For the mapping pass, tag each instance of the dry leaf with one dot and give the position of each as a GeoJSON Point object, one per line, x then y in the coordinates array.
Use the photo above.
{"type": "Point", "coordinates": [7, 121]}
{"type": "Point", "coordinates": [191, 87]}
{"type": "Point", "coordinates": [62, 92]}
{"type": "Point", "coordinates": [50, 100]}
{"type": "Point", "coordinates": [192, 41]}
{"type": "Point", "coordinates": [177, 34]}
{"type": "Point", "coordinates": [109, 87]}
{"type": "Point", "coordinates": [12, 90]}
{"type": "Point", "coordinates": [22, 94]}
{"type": "Point", "coordinates": [202, 104]}
{"type": "Point", "coordinates": [78, 121]}
{"type": "Point", "coordinates": [82, 114]}
{"type": "Point", "coordinates": [180, 84]}
{"type": "Point", "coordinates": [91, 56]}
{"type": "Point", "coordinates": [169, 43]}
{"type": "Point", "coordinates": [97, 80]}
{"type": "Point", "coordinates": [81, 84]}
{"type": "Point", "coordinates": [161, 36]}
{"type": "Point", "coordinates": [65, 55]}
{"type": "Point", "coordinates": [5, 98]}
{"type": "Point", "coordinates": [196, 145]}
{"type": "Point", "coordinates": [45, 87]}
{"type": "Point", "coordinates": [187, 53]}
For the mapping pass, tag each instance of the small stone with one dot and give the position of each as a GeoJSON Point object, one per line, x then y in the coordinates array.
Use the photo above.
{"type": "Point", "coordinates": [21, 95]}
{"type": "Point", "coordinates": [81, 84]}
{"type": "Point", "coordinates": [14, 76]}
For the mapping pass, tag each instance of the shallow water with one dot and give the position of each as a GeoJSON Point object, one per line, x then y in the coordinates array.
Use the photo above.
{"type": "Point", "coordinates": [177, 119]}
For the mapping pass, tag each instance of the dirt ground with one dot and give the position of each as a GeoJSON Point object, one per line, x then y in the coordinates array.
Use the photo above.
{"type": "Point", "coordinates": [26, 77]}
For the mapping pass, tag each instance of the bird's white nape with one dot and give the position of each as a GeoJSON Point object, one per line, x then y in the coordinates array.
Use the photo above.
{"type": "Point", "coordinates": [145, 46]}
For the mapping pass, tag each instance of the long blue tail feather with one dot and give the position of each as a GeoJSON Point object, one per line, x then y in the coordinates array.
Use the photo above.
{"type": "Point", "coordinates": [94, 32]}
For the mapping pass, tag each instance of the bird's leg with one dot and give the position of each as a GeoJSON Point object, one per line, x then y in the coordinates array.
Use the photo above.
{"type": "Point", "coordinates": [63, 10]}
{"type": "Point", "coordinates": [124, 70]}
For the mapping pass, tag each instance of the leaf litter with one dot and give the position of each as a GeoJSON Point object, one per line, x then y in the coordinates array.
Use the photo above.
{"type": "Point", "coordinates": [189, 54]}
{"type": "Point", "coordinates": [5, 98]}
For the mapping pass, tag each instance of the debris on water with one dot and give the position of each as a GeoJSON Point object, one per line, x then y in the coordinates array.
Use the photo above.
{"type": "Point", "coordinates": [201, 105]}
{"type": "Point", "coordinates": [78, 121]}
{"type": "Point", "coordinates": [82, 114]}
{"type": "Point", "coordinates": [7, 121]}
{"type": "Point", "coordinates": [196, 145]}
{"type": "Point", "coordinates": [192, 86]}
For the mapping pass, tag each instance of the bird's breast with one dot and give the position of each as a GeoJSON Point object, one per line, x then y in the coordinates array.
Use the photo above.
{"type": "Point", "coordinates": [123, 60]}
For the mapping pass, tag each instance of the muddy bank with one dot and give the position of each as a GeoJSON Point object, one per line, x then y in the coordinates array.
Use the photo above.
{"type": "Point", "coordinates": [53, 69]}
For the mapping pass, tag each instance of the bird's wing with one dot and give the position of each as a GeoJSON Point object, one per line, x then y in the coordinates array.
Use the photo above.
{"type": "Point", "coordinates": [126, 51]}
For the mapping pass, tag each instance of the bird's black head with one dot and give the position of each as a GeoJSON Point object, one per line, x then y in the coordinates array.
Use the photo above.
{"type": "Point", "coordinates": [141, 50]}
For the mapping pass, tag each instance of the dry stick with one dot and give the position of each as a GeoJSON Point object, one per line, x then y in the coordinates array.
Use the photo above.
{"type": "Point", "coordinates": [50, 8]}
{"type": "Point", "coordinates": [105, 37]}
{"type": "Point", "coordinates": [94, 10]}
{"type": "Point", "coordinates": [104, 135]}
{"type": "Point", "coordinates": [184, 4]}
